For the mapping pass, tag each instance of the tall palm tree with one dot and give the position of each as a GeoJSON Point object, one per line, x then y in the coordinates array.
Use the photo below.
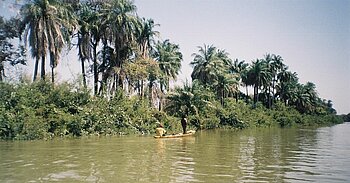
{"type": "Point", "coordinates": [212, 69]}
{"type": "Point", "coordinates": [287, 81]}
{"type": "Point", "coordinates": [268, 61]}
{"type": "Point", "coordinates": [153, 75]}
{"type": "Point", "coordinates": [276, 67]}
{"type": "Point", "coordinates": [181, 102]}
{"type": "Point", "coordinates": [194, 100]}
{"type": "Point", "coordinates": [310, 91]}
{"type": "Point", "coordinates": [145, 34]}
{"type": "Point", "coordinates": [97, 25]}
{"type": "Point", "coordinates": [121, 22]}
{"type": "Point", "coordinates": [115, 29]}
{"type": "Point", "coordinates": [224, 57]}
{"type": "Point", "coordinates": [240, 69]}
{"type": "Point", "coordinates": [301, 99]}
{"type": "Point", "coordinates": [188, 100]}
{"type": "Point", "coordinates": [203, 63]}
{"type": "Point", "coordinates": [46, 23]}
{"type": "Point", "coordinates": [226, 83]}
{"type": "Point", "coordinates": [169, 59]}
{"type": "Point", "coordinates": [86, 17]}
{"type": "Point", "coordinates": [260, 76]}
{"type": "Point", "coordinates": [310, 88]}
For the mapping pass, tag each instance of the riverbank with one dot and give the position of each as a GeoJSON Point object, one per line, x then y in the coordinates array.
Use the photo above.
{"type": "Point", "coordinates": [42, 111]}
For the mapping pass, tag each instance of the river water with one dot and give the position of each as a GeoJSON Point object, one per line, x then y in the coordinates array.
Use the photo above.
{"type": "Point", "coordinates": [255, 155]}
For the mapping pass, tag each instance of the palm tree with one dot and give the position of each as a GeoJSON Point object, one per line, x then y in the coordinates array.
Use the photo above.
{"type": "Point", "coordinates": [268, 61]}
{"type": "Point", "coordinates": [310, 91]}
{"type": "Point", "coordinates": [121, 22]}
{"type": "Point", "coordinates": [153, 74]}
{"type": "Point", "coordinates": [97, 24]}
{"type": "Point", "coordinates": [169, 59]}
{"type": "Point", "coordinates": [212, 69]}
{"type": "Point", "coordinates": [181, 102]}
{"type": "Point", "coordinates": [46, 23]}
{"type": "Point", "coordinates": [86, 18]}
{"type": "Point", "coordinates": [310, 88]}
{"type": "Point", "coordinates": [188, 100]}
{"type": "Point", "coordinates": [203, 64]}
{"type": "Point", "coordinates": [287, 83]}
{"type": "Point", "coordinates": [223, 82]}
{"type": "Point", "coordinates": [226, 83]}
{"type": "Point", "coordinates": [115, 28]}
{"type": "Point", "coordinates": [276, 67]}
{"type": "Point", "coordinates": [145, 34]}
{"type": "Point", "coordinates": [224, 57]}
{"type": "Point", "coordinates": [301, 99]}
{"type": "Point", "coordinates": [32, 23]}
{"type": "Point", "coordinates": [193, 101]}
{"type": "Point", "coordinates": [240, 69]}
{"type": "Point", "coordinates": [259, 76]}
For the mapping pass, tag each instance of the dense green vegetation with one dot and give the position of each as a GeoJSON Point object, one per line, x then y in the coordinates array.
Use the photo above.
{"type": "Point", "coordinates": [346, 117]}
{"type": "Point", "coordinates": [42, 110]}
{"type": "Point", "coordinates": [131, 74]}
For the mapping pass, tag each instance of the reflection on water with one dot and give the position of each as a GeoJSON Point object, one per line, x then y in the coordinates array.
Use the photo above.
{"type": "Point", "coordinates": [257, 155]}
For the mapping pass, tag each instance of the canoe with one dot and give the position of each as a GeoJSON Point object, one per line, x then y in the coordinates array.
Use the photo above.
{"type": "Point", "coordinates": [190, 133]}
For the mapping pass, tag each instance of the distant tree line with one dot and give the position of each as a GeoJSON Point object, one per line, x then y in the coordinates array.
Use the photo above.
{"type": "Point", "coordinates": [130, 64]}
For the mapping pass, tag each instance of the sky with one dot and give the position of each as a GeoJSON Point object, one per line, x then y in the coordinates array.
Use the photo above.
{"type": "Point", "coordinates": [312, 36]}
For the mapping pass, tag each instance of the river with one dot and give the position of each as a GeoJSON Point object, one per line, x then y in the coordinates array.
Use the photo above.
{"type": "Point", "coordinates": [254, 155]}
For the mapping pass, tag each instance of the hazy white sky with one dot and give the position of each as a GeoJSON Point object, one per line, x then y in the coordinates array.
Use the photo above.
{"type": "Point", "coordinates": [313, 36]}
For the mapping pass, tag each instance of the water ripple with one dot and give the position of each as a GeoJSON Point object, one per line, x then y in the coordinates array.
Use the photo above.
{"type": "Point", "coordinates": [257, 155]}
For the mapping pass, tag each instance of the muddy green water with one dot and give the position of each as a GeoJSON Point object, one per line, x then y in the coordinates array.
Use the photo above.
{"type": "Point", "coordinates": [258, 155]}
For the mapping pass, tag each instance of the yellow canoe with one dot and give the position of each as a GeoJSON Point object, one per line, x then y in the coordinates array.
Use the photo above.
{"type": "Point", "coordinates": [189, 133]}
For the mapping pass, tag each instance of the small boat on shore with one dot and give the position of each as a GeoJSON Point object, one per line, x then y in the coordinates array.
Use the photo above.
{"type": "Point", "coordinates": [189, 133]}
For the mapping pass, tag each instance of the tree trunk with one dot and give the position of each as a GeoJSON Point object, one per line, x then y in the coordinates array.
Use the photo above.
{"type": "Point", "coordinates": [1, 70]}
{"type": "Point", "coordinates": [150, 97]}
{"type": "Point", "coordinates": [83, 72]}
{"type": "Point", "coordinates": [247, 95]}
{"type": "Point", "coordinates": [256, 94]}
{"type": "Point", "coordinates": [42, 75]}
{"type": "Point", "coordinates": [82, 56]}
{"type": "Point", "coordinates": [95, 69]}
{"type": "Point", "coordinates": [52, 65]}
{"type": "Point", "coordinates": [138, 87]}
{"type": "Point", "coordinates": [223, 98]}
{"type": "Point", "coordinates": [269, 98]}
{"type": "Point", "coordinates": [103, 85]}
{"type": "Point", "coordinates": [141, 89]}
{"type": "Point", "coordinates": [35, 75]}
{"type": "Point", "coordinates": [52, 74]}
{"type": "Point", "coordinates": [160, 103]}
{"type": "Point", "coordinates": [168, 86]}
{"type": "Point", "coordinates": [273, 93]}
{"type": "Point", "coordinates": [114, 85]}
{"type": "Point", "coordinates": [237, 95]}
